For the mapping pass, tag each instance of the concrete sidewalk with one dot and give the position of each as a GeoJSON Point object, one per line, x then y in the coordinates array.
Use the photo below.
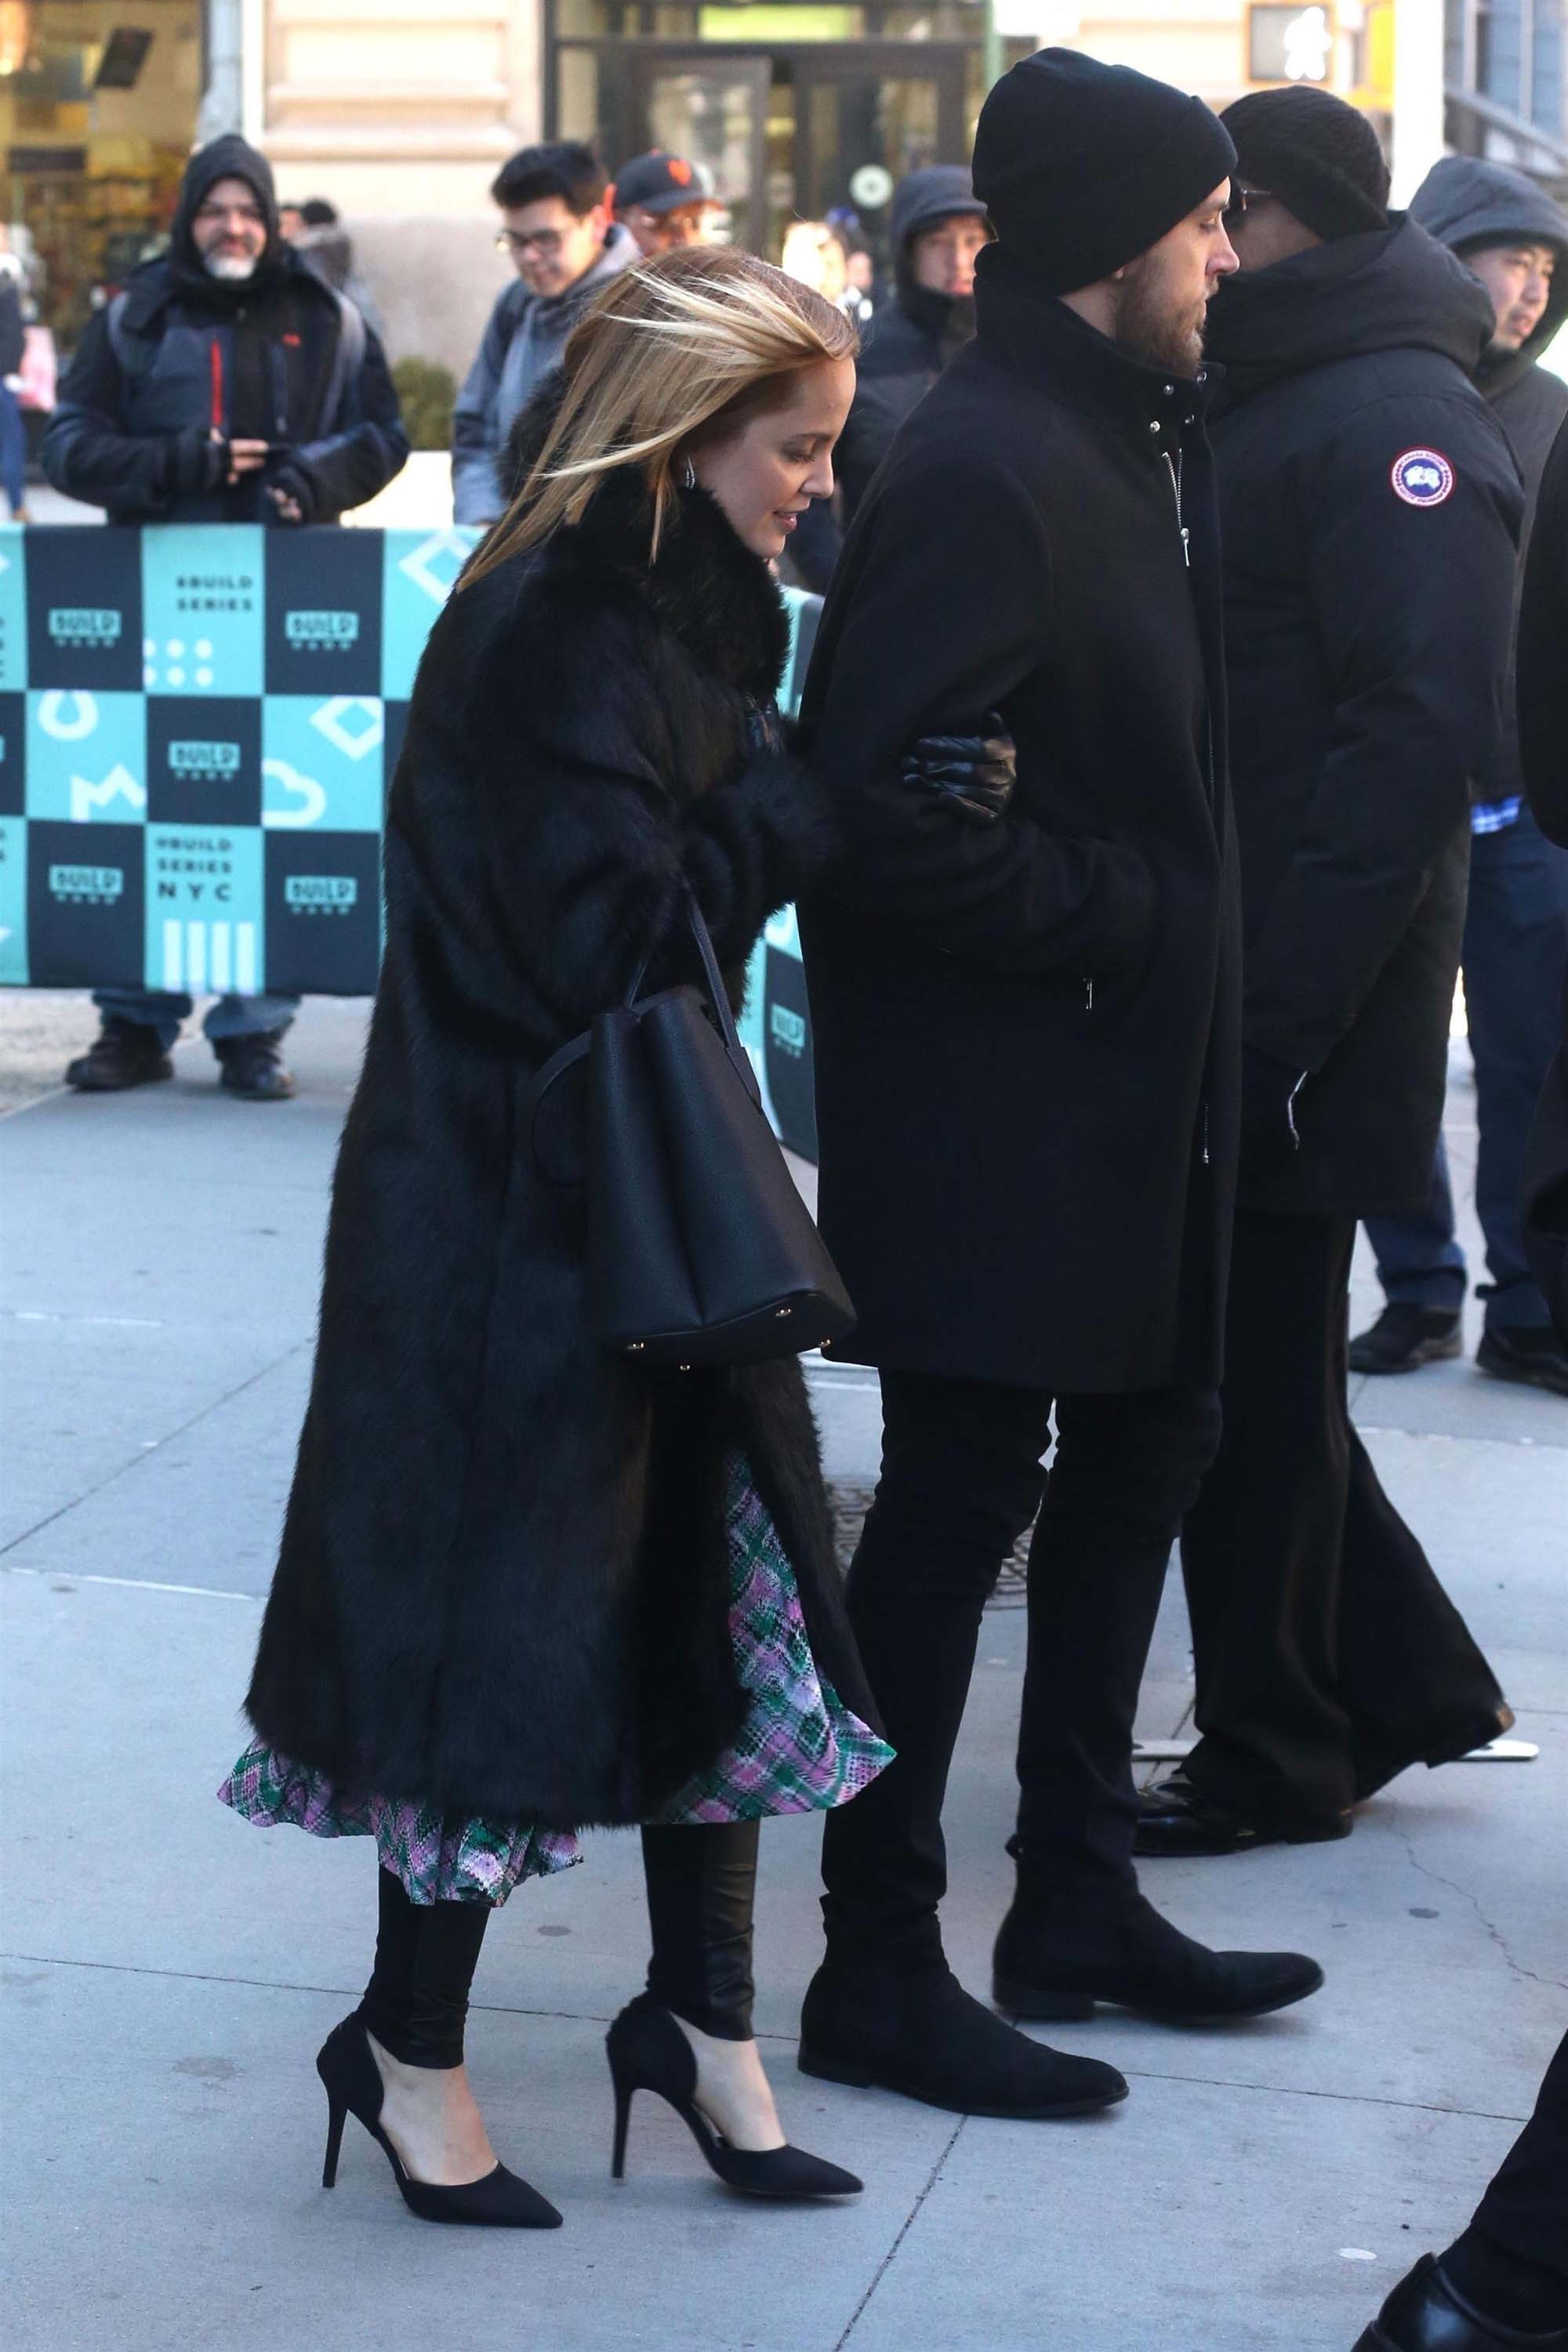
{"type": "Point", "coordinates": [170, 1972]}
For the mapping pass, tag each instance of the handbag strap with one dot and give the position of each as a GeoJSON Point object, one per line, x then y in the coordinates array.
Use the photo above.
{"type": "Point", "coordinates": [567, 1056]}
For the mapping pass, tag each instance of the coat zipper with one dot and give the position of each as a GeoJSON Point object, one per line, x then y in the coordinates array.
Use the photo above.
{"type": "Point", "coordinates": [215, 350]}
{"type": "Point", "coordinates": [1173, 468]}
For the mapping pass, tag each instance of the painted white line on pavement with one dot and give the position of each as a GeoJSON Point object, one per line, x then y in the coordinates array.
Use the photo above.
{"type": "Point", "coordinates": [130, 1583]}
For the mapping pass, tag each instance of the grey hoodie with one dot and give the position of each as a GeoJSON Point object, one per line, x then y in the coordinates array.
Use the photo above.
{"type": "Point", "coordinates": [1466, 203]}
{"type": "Point", "coordinates": [524, 340]}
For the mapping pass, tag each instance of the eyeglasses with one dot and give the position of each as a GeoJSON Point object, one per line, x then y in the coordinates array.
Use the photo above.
{"type": "Point", "coordinates": [210, 216]}
{"type": "Point", "coordinates": [1242, 201]}
{"type": "Point", "coordinates": [545, 242]}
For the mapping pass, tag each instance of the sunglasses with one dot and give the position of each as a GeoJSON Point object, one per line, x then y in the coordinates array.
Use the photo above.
{"type": "Point", "coordinates": [1242, 201]}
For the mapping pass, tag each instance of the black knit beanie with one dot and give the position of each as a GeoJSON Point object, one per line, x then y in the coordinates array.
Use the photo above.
{"type": "Point", "coordinates": [1083, 166]}
{"type": "Point", "coordinates": [1317, 154]}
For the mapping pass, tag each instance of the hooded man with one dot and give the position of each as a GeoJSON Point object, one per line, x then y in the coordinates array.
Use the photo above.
{"type": "Point", "coordinates": [1025, 1034]}
{"type": "Point", "coordinates": [1370, 509]}
{"type": "Point", "coordinates": [556, 227]}
{"type": "Point", "coordinates": [939, 228]}
{"type": "Point", "coordinates": [1511, 234]}
{"type": "Point", "coordinates": [225, 384]}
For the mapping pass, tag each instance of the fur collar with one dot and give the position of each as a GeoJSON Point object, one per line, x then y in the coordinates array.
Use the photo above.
{"type": "Point", "coordinates": [721, 600]}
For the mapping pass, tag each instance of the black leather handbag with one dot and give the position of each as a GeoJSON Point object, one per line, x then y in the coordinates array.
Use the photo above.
{"type": "Point", "coordinates": [700, 1250]}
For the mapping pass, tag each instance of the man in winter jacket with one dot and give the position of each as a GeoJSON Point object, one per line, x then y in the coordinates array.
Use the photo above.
{"type": "Point", "coordinates": [227, 384]}
{"type": "Point", "coordinates": [1025, 1032]}
{"type": "Point", "coordinates": [939, 228]}
{"type": "Point", "coordinates": [555, 225]}
{"type": "Point", "coordinates": [1370, 509]}
{"type": "Point", "coordinates": [1515, 239]}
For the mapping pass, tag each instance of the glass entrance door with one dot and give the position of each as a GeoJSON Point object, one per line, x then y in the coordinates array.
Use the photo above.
{"type": "Point", "coordinates": [712, 108]}
{"type": "Point", "coordinates": [863, 117]}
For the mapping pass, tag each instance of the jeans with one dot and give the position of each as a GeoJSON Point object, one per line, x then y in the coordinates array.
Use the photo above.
{"type": "Point", "coordinates": [231, 1016]}
{"type": "Point", "coordinates": [1516, 949]}
{"type": "Point", "coordinates": [962, 1479]}
{"type": "Point", "coordinates": [1328, 1656]}
{"type": "Point", "coordinates": [13, 449]}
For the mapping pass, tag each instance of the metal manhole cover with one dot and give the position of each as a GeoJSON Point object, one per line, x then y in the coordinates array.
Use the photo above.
{"type": "Point", "coordinates": [851, 1501]}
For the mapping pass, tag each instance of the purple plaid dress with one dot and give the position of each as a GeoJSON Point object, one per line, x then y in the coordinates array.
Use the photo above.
{"type": "Point", "coordinates": [799, 1750]}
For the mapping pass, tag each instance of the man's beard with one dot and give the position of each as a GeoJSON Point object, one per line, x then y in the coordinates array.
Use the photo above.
{"type": "Point", "coordinates": [229, 268]}
{"type": "Point", "coordinates": [1148, 331]}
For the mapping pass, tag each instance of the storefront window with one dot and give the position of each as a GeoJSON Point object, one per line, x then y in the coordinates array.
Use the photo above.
{"type": "Point", "coordinates": [98, 111]}
{"type": "Point", "coordinates": [801, 109]}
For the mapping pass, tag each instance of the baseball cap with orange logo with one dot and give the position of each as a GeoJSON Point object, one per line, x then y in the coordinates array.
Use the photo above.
{"type": "Point", "coordinates": [661, 183]}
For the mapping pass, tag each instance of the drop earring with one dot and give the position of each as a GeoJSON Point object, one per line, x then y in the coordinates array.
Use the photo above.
{"type": "Point", "coordinates": [688, 476]}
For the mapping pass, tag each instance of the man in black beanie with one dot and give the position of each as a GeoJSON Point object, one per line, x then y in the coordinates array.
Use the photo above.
{"type": "Point", "coordinates": [1370, 508]}
{"type": "Point", "coordinates": [1026, 1064]}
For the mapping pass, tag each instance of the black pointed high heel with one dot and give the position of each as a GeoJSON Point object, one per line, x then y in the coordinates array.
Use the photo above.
{"type": "Point", "coordinates": [648, 2052]}
{"type": "Point", "coordinates": [346, 2065]}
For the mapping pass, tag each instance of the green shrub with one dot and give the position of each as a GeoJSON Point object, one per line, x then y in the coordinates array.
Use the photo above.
{"type": "Point", "coordinates": [427, 393]}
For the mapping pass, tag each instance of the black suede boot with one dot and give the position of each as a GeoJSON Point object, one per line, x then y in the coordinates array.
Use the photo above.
{"type": "Point", "coordinates": [1060, 1951]}
{"type": "Point", "coordinates": [921, 2034]}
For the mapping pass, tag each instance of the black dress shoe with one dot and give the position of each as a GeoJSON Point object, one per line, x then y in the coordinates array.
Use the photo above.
{"type": "Point", "coordinates": [1404, 1338]}
{"type": "Point", "coordinates": [123, 1053]}
{"type": "Point", "coordinates": [1427, 2314]}
{"type": "Point", "coordinates": [1536, 1359]}
{"type": "Point", "coordinates": [1057, 1956]}
{"type": "Point", "coordinates": [1176, 1818]}
{"type": "Point", "coordinates": [252, 1068]}
{"type": "Point", "coordinates": [925, 2037]}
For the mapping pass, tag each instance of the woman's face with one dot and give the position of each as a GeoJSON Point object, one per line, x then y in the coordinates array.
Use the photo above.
{"type": "Point", "coordinates": [769, 473]}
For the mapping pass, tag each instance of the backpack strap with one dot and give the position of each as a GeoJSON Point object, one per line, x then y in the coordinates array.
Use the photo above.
{"type": "Point", "coordinates": [131, 355]}
{"type": "Point", "coordinates": [347, 360]}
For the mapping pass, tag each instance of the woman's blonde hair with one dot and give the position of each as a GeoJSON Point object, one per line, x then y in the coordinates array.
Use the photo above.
{"type": "Point", "coordinates": [677, 352]}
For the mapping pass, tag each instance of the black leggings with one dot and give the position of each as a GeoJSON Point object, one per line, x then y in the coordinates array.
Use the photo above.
{"type": "Point", "coordinates": [701, 1882]}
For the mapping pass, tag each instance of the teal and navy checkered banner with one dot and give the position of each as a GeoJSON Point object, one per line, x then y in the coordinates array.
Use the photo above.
{"type": "Point", "coordinates": [198, 725]}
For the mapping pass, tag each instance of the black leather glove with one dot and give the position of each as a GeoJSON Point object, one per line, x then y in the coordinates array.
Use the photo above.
{"type": "Point", "coordinates": [197, 464]}
{"type": "Point", "coordinates": [1270, 1136]}
{"type": "Point", "coordinates": [974, 774]}
{"type": "Point", "coordinates": [290, 491]}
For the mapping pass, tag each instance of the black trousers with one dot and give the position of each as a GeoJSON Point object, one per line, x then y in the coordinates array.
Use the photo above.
{"type": "Point", "coordinates": [701, 1888]}
{"type": "Point", "coordinates": [1328, 1654]}
{"type": "Point", "coordinates": [1524, 2213]}
{"type": "Point", "coordinates": [962, 1479]}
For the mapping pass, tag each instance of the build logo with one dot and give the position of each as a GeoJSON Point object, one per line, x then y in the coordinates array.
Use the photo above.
{"type": "Point", "coordinates": [86, 627]}
{"type": "Point", "coordinates": [87, 886]}
{"type": "Point", "coordinates": [321, 894]}
{"type": "Point", "coordinates": [321, 632]}
{"type": "Point", "coordinates": [203, 763]}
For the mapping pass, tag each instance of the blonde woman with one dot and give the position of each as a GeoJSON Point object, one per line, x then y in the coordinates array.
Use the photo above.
{"type": "Point", "coordinates": [527, 1586]}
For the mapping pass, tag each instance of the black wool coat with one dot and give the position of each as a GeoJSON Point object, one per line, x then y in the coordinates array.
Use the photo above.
{"type": "Point", "coordinates": [1366, 645]}
{"type": "Point", "coordinates": [1543, 751]}
{"type": "Point", "coordinates": [503, 1585]}
{"type": "Point", "coordinates": [1025, 1037]}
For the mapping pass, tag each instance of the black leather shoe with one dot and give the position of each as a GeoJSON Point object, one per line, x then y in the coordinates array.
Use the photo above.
{"type": "Point", "coordinates": [1535, 1358]}
{"type": "Point", "coordinates": [252, 1068]}
{"type": "Point", "coordinates": [925, 2037]}
{"type": "Point", "coordinates": [1057, 1957]}
{"type": "Point", "coordinates": [1427, 2314]}
{"type": "Point", "coordinates": [123, 1053]}
{"type": "Point", "coordinates": [1175, 1818]}
{"type": "Point", "coordinates": [1404, 1338]}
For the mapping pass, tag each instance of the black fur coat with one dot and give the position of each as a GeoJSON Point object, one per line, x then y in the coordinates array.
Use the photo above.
{"type": "Point", "coordinates": [503, 1585]}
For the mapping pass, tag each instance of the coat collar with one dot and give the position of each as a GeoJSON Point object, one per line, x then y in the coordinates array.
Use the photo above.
{"type": "Point", "coordinates": [1032, 334]}
{"type": "Point", "coordinates": [721, 600]}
